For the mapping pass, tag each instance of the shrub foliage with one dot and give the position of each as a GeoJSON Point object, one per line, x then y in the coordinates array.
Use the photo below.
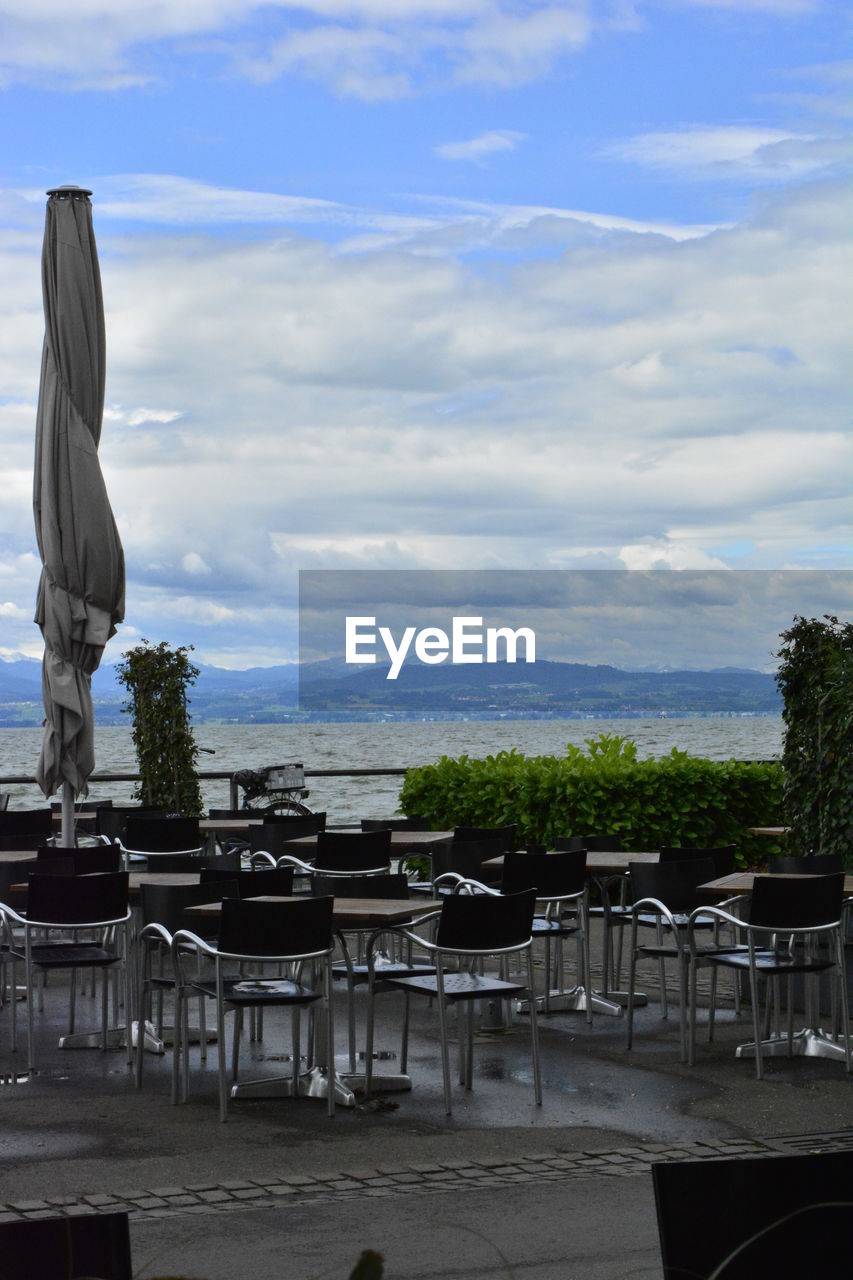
{"type": "Point", "coordinates": [816, 679]}
{"type": "Point", "coordinates": [678, 799]}
{"type": "Point", "coordinates": [157, 679]}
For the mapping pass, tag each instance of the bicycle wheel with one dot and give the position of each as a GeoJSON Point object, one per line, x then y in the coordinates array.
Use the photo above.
{"type": "Point", "coordinates": [276, 802]}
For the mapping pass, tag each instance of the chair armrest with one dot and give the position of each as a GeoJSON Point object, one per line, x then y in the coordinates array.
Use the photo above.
{"type": "Point", "coordinates": [290, 860]}
{"type": "Point", "coordinates": [659, 908]}
{"type": "Point", "coordinates": [262, 858]}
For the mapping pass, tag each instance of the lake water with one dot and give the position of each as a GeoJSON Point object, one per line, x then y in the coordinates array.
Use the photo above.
{"type": "Point", "coordinates": [360, 746]}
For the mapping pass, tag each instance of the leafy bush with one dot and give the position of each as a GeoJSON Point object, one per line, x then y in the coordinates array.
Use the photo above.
{"type": "Point", "coordinates": [678, 799]}
{"type": "Point", "coordinates": [157, 679]}
{"type": "Point", "coordinates": [816, 680]}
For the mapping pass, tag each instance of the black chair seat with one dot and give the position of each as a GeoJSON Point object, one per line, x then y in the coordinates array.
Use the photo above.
{"type": "Point", "coordinates": [359, 974]}
{"type": "Point", "coordinates": [259, 991]}
{"type": "Point", "coordinates": [73, 955]}
{"type": "Point", "coordinates": [458, 986]}
{"type": "Point", "coordinates": [773, 962]}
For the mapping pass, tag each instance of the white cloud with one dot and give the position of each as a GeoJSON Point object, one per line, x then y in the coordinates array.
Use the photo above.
{"type": "Point", "coordinates": [372, 49]}
{"type": "Point", "coordinates": [477, 149]}
{"type": "Point", "coordinates": [137, 417]}
{"type": "Point", "coordinates": [194, 564]}
{"type": "Point", "coordinates": [662, 553]}
{"type": "Point", "coordinates": [625, 395]}
{"type": "Point", "coordinates": [735, 152]}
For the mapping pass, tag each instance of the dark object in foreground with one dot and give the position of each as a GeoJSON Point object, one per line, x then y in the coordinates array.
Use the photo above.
{"type": "Point", "coordinates": [739, 1219]}
{"type": "Point", "coordinates": [95, 1244]}
{"type": "Point", "coordinates": [368, 1267]}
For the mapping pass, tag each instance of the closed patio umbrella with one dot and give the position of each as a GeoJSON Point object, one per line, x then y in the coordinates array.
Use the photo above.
{"type": "Point", "coordinates": [81, 590]}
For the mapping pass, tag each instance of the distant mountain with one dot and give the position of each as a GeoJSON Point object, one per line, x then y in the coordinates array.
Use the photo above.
{"type": "Point", "coordinates": [329, 691]}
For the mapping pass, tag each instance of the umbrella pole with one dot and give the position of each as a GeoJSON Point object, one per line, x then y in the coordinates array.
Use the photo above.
{"type": "Point", "coordinates": [68, 839]}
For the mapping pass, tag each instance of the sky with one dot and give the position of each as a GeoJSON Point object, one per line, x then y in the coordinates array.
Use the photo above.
{"type": "Point", "coordinates": [435, 284]}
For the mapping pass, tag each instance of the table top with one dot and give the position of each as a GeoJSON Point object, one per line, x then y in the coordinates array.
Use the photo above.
{"type": "Point", "coordinates": [743, 881]}
{"type": "Point", "coordinates": [599, 862]}
{"type": "Point", "coordinates": [401, 841]}
{"type": "Point", "coordinates": [350, 913]}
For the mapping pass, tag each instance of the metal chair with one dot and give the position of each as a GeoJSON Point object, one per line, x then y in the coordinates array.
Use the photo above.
{"type": "Point", "coordinates": [69, 904]}
{"type": "Point", "coordinates": [665, 895]}
{"type": "Point", "coordinates": [252, 933]}
{"type": "Point", "coordinates": [793, 927]}
{"type": "Point", "coordinates": [471, 927]}
{"type": "Point", "coordinates": [163, 911]}
{"type": "Point", "coordinates": [151, 837]}
{"type": "Point", "coordinates": [345, 853]}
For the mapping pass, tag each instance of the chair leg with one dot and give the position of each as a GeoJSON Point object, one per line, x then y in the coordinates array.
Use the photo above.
{"type": "Point", "coordinates": [330, 1041]}
{"type": "Point", "coordinates": [632, 965]}
{"type": "Point", "coordinates": [295, 1048]}
{"type": "Point", "coordinates": [445, 1056]}
{"type": "Point", "coordinates": [682, 1000]}
{"type": "Point", "coordinates": [756, 1019]}
{"type": "Point", "coordinates": [534, 1035]}
{"type": "Point", "coordinates": [222, 1052]}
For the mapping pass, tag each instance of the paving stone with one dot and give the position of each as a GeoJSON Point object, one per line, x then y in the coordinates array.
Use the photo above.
{"type": "Point", "coordinates": [28, 1206]}
{"type": "Point", "coordinates": [248, 1193]}
{"type": "Point", "coordinates": [213, 1197]}
{"type": "Point", "coordinates": [237, 1186]}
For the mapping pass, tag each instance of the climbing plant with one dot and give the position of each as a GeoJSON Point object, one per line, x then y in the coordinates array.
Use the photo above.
{"type": "Point", "coordinates": [815, 677]}
{"type": "Point", "coordinates": [157, 678]}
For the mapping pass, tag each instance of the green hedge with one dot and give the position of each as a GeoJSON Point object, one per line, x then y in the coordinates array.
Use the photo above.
{"type": "Point", "coordinates": [679, 799]}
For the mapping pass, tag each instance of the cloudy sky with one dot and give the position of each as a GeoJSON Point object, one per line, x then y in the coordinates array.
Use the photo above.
{"type": "Point", "coordinates": [436, 284]}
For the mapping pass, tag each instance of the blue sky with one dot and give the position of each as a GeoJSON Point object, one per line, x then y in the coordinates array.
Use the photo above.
{"type": "Point", "coordinates": [420, 284]}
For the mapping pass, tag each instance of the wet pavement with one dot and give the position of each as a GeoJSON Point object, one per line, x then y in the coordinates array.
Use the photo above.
{"type": "Point", "coordinates": [501, 1188]}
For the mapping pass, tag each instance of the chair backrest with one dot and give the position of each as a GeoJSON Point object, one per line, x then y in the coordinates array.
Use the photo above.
{"type": "Point", "coordinates": [296, 824]}
{"type": "Point", "coordinates": [161, 835]}
{"type": "Point", "coordinates": [26, 821]}
{"type": "Point", "coordinates": [229, 861]}
{"type": "Point", "coordinates": [396, 824]}
{"type": "Point", "coordinates": [598, 843]}
{"type": "Point", "coordinates": [552, 875]}
{"type": "Point", "coordinates": [85, 860]}
{"type": "Point", "coordinates": [820, 864]}
{"type": "Point", "coordinates": [111, 821]}
{"type": "Point", "coordinates": [465, 857]}
{"type": "Point", "coordinates": [251, 884]}
{"type": "Point", "coordinates": [64, 899]}
{"type": "Point", "coordinates": [740, 1219]}
{"type": "Point", "coordinates": [796, 902]}
{"type": "Point", "coordinates": [674, 884]}
{"type": "Point", "coordinates": [24, 828]}
{"type": "Point", "coordinates": [722, 856]}
{"type": "Point", "coordinates": [166, 904]}
{"type": "Point", "coordinates": [383, 886]}
{"type": "Point", "coordinates": [227, 814]}
{"type": "Point", "coordinates": [96, 1244]}
{"type": "Point", "coordinates": [482, 922]}
{"type": "Point", "coordinates": [352, 850]}
{"type": "Point", "coordinates": [270, 837]}
{"type": "Point", "coordinates": [250, 927]}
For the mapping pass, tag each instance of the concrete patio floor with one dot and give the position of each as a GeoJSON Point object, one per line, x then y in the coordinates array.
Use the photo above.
{"type": "Point", "coordinates": [501, 1188]}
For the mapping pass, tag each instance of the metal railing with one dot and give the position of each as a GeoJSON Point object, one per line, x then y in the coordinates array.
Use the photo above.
{"type": "Point", "coordinates": [214, 775]}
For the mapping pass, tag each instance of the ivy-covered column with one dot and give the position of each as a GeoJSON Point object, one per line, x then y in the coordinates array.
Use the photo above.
{"type": "Point", "coordinates": [816, 680]}
{"type": "Point", "coordinates": [157, 679]}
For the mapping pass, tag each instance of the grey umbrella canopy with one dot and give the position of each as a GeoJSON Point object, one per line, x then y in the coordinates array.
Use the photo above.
{"type": "Point", "coordinates": [81, 590]}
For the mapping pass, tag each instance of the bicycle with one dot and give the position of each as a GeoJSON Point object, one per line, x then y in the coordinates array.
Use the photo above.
{"type": "Point", "coordinates": [279, 788]}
